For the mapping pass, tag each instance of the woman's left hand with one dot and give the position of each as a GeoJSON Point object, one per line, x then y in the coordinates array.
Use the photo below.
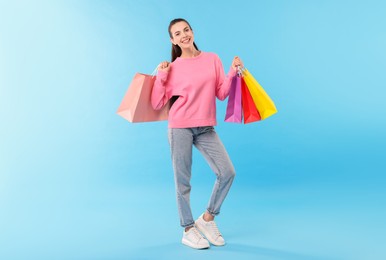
{"type": "Point", "coordinates": [236, 63]}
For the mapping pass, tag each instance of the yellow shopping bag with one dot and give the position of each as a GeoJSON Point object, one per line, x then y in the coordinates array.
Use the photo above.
{"type": "Point", "coordinates": [262, 101]}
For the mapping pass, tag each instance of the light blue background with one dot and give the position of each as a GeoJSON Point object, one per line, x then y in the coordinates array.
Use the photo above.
{"type": "Point", "coordinates": [79, 182]}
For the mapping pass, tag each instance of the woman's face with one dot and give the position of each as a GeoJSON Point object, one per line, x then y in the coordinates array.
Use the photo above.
{"type": "Point", "coordinates": [182, 35]}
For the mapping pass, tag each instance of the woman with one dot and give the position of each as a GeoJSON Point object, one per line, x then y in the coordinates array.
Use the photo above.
{"type": "Point", "coordinates": [192, 81]}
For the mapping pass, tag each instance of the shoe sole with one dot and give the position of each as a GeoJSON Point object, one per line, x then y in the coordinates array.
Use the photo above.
{"type": "Point", "coordinates": [189, 244]}
{"type": "Point", "coordinates": [202, 230]}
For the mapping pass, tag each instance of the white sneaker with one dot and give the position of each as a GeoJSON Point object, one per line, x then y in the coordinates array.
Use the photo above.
{"type": "Point", "coordinates": [210, 231]}
{"type": "Point", "coordinates": [194, 239]}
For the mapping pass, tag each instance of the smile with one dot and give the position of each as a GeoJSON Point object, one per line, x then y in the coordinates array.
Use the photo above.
{"type": "Point", "coordinates": [187, 40]}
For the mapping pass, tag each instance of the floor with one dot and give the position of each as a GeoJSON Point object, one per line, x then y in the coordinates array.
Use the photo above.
{"type": "Point", "coordinates": [119, 220]}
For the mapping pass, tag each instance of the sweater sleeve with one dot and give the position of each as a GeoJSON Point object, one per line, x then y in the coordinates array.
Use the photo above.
{"type": "Point", "coordinates": [223, 82]}
{"type": "Point", "coordinates": [158, 94]}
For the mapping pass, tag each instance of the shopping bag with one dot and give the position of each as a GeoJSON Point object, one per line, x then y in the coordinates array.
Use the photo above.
{"type": "Point", "coordinates": [263, 102]}
{"type": "Point", "coordinates": [249, 109]}
{"type": "Point", "coordinates": [136, 104]}
{"type": "Point", "coordinates": [234, 111]}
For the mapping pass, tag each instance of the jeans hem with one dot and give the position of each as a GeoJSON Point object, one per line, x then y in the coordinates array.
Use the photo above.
{"type": "Point", "coordinates": [213, 213]}
{"type": "Point", "coordinates": [187, 225]}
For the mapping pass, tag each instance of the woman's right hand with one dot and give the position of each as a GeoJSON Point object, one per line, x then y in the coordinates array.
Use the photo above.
{"type": "Point", "coordinates": [164, 66]}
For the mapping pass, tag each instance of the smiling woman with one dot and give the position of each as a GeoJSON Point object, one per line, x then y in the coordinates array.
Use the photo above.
{"type": "Point", "coordinates": [183, 33]}
{"type": "Point", "coordinates": [194, 83]}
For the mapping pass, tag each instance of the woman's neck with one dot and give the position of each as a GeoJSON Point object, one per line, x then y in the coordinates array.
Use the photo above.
{"type": "Point", "coordinates": [190, 52]}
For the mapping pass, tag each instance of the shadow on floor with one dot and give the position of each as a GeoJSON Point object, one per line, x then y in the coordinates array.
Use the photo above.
{"type": "Point", "coordinates": [229, 251]}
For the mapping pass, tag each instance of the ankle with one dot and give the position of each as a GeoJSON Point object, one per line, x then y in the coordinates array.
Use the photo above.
{"type": "Point", "coordinates": [188, 228]}
{"type": "Point", "coordinates": [208, 217]}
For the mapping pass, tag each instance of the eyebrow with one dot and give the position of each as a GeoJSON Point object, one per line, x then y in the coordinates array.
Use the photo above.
{"type": "Point", "coordinates": [179, 31]}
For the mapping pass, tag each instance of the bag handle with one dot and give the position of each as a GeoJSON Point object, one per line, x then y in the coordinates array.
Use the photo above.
{"type": "Point", "coordinates": [154, 73]}
{"type": "Point", "coordinates": [240, 70]}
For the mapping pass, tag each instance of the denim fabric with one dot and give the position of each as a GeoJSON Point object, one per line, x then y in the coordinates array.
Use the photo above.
{"type": "Point", "coordinates": [206, 140]}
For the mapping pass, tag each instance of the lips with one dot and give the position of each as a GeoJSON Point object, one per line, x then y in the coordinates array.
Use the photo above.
{"type": "Point", "coordinates": [187, 40]}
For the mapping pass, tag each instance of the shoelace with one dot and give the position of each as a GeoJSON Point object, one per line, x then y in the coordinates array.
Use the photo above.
{"type": "Point", "coordinates": [197, 234]}
{"type": "Point", "coordinates": [214, 228]}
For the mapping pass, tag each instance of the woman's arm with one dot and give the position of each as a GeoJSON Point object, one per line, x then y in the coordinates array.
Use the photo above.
{"type": "Point", "coordinates": [158, 95]}
{"type": "Point", "coordinates": [223, 82]}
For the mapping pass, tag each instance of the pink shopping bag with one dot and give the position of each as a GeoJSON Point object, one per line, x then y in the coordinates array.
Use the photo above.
{"type": "Point", "coordinates": [234, 112]}
{"type": "Point", "coordinates": [136, 104]}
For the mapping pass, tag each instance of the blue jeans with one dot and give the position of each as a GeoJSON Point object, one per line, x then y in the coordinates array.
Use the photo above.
{"type": "Point", "coordinates": [209, 144]}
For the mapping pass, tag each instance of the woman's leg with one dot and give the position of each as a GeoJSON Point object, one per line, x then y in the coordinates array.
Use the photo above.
{"type": "Point", "coordinates": [181, 142]}
{"type": "Point", "coordinates": [210, 145]}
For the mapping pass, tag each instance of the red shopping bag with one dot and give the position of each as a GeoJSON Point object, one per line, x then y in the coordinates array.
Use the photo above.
{"type": "Point", "coordinates": [249, 109]}
{"type": "Point", "coordinates": [234, 111]}
{"type": "Point", "coordinates": [136, 104]}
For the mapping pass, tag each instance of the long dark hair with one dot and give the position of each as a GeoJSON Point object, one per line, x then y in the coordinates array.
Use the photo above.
{"type": "Point", "coordinates": [176, 50]}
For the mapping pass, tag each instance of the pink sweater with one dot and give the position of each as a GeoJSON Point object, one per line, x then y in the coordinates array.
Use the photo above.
{"type": "Point", "coordinates": [197, 81]}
